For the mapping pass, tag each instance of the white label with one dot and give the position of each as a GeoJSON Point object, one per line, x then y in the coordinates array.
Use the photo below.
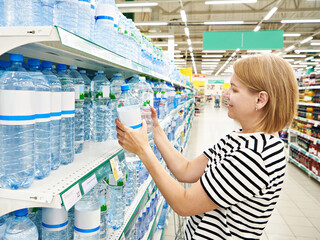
{"type": "Point", "coordinates": [71, 197]}
{"type": "Point", "coordinates": [105, 91]}
{"type": "Point", "coordinates": [54, 219]}
{"type": "Point", "coordinates": [43, 106]}
{"type": "Point", "coordinates": [130, 116]}
{"type": "Point", "coordinates": [67, 104]}
{"type": "Point", "coordinates": [55, 105]}
{"type": "Point", "coordinates": [116, 169]}
{"type": "Point", "coordinates": [105, 10]}
{"type": "Point", "coordinates": [88, 184]}
{"type": "Point", "coordinates": [87, 219]}
{"type": "Point", "coordinates": [79, 92]}
{"type": "Point", "coordinates": [17, 107]}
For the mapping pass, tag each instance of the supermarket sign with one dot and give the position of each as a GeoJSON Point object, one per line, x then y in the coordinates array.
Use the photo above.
{"type": "Point", "coordinates": [215, 81]}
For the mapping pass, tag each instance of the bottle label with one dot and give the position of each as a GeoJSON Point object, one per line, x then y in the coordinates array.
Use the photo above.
{"type": "Point", "coordinates": [43, 106]}
{"type": "Point", "coordinates": [79, 92]}
{"type": "Point", "coordinates": [102, 92]}
{"type": "Point", "coordinates": [67, 104]}
{"type": "Point", "coordinates": [55, 227]}
{"type": "Point", "coordinates": [17, 107]}
{"type": "Point", "coordinates": [87, 221]}
{"type": "Point", "coordinates": [55, 113]}
{"type": "Point", "coordinates": [130, 116]}
{"type": "Point", "coordinates": [105, 10]}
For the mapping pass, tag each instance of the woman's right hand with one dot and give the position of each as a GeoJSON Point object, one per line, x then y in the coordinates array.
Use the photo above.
{"type": "Point", "coordinates": [154, 117]}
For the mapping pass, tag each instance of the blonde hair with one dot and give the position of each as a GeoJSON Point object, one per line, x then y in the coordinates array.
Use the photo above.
{"type": "Point", "coordinates": [272, 74]}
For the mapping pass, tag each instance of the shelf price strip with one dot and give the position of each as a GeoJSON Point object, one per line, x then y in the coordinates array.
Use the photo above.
{"type": "Point", "coordinates": [315, 140]}
{"type": "Point", "coordinates": [88, 184]}
{"type": "Point", "coordinates": [71, 197]}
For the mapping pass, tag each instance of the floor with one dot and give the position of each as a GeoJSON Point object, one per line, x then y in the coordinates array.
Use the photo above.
{"type": "Point", "coordinates": [297, 213]}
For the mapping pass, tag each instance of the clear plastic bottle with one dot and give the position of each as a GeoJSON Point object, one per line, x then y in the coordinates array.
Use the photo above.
{"type": "Point", "coordinates": [54, 223]}
{"type": "Point", "coordinates": [79, 115]}
{"type": "Point", "coordinates": [102, 193]}
{"type": "Point", "coordinates": [70, 228]}
{"type": "Point", "coordinates": [21, 227]}
{"type": "Point", "coordinates": [3, 14]}
{"type": "Point", "coordinates": [100, 87]}
{"type": "Point", "coordinates": [131, 183]}
{"type": "Point", "coordinates": [3, 226]}
{"type": "Point", "coordinates": [43, 12]}
{"type": "Point", "coordinates": [35, 215]}
{"type": "Point", "coordinates": [42, 127]}
{"type": "Point", "coordinates": [66, 14]}
{"type": "Point", "coordinates": [87, 217]}
{"type": "Point", "coordinates": [87, 105]}
{"type": "Point", "coordinates": [55, 114]}
{"type": "Point", "coordinates": [18, 13]}
{"type": "Point", "coordinates": [92, 18]}
{"type": "Point", "coordinates": [162, 219]}
{"type": "Point", "coordinates": [67, 114]}
{"type": "Point", "coordinates": [3, 66]}
{"type": "Point", "coordinates": [84, 19]}
{"type": "Point", "coordinates": [17, 88]}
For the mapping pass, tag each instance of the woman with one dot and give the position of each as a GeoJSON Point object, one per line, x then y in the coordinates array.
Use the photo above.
{"type": "Point", "coordinates": [238, 180]}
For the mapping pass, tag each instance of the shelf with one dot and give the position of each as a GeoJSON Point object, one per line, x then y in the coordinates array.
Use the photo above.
{"type": "Point", "coordinates": [67, 184]}
{"type": "Point", "coordinates": [316, 123]}
{"type": "Point", "coordinates": [310, 173]}
{"type": "Point", "coordinates": [310, 87]}
{"type": "Point", "coordinates": [152, 227]}
{"type": "Point", "coordinates": [305, 152]}
{"type": "Point", "coordinates": [60, 46]}
{"type": "Point", "coordinates": [309, 104]}
{"type": "Point", "coordinates": [315, 140]}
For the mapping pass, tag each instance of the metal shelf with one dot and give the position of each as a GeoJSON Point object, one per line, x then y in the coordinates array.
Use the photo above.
{"type": "Point", "coordinates": [315, 158]}
{"type": "Point", "coordinates": [310, 173]}
{"type": "Point", "coordinates": [316, 123]}
{"type": "Point", "coordinates": [309, 104]}
{"type": "Point", "coordinates": [315, 140]}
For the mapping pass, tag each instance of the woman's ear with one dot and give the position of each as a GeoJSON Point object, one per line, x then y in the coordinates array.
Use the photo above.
{"type": "Point", "coordinates": [262, 100]}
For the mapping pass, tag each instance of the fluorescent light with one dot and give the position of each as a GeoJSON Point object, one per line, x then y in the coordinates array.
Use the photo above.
{"type": "Point", "coordinates": [292, 34]}
{"type": "Point", "coordinates": [209, 63]}
{"type": "Point", "coordinates": [179, 60]}
{"type": "Point", "coordinates": [259, 51]}
{"type": "Point", "coordinates": [183, 15]}
{"type": "Point", "coordinates": [289, 60]}
{"type": "Point", "coordinates": [151, 24]}
{"type": "Point", "coordinates": [309, 58]}
{"type": "Point", "coordinates": [301, 21]}
{"type": "Point", "coordinates": [178, 56]}
{"type": "Point", "coordinates": [306, 50]}
{"type": "Point", "coordinates": [270, 13]}
{"type": "Point", "coordinates": [160, 36]}
{"type": "Point", "coordinates": [308, 63]}
{"type": "Point", "coordinates": [306, 40]}
{"type": "Point", "coordinates": [190, 49]}
{"type": "Point", "coordinates": [186, 31]}
{"type": "Point", "coordinates": [315, 44]}
{"type": "Point", "coordinates": [257, 28]}
{"type": "Point", "coordinates": [213, 51]}
{"type": "Point", "coordinates": [212, 56]}
{"type": "Point", "coordinates": [189, 41]}
{"type": "Point", "coordinates": [210, 60]}
{"type": "Point", "coordinates": [278, 53]}
{"type": "Point", "coordinates": [238, 49]}
{"type": "Point", "coordinates": [298, 66]}
{"type": "Point", "coordinates": [147, 4]}
{"type": "Point", "coordinates": [296, 62]}
{"type": "Point", "coordinates": [177, 51]}
{"type": "Point", "coordinates": [191, 54]}
{"type": "Point", "coordinates": [309, 67]}
{"type": "Point", "coordinates": [290, 48]}
{"type": "Point", "coordinates": [164, 44]}
{"type": "Point", "coordinates": [294, 56]}
{"type": "Point", "coordinates": [230, 2]}
{"type": "Point", "coordinates": [233, 54]}
{"type": "Point", "coordinates": [224, 23]}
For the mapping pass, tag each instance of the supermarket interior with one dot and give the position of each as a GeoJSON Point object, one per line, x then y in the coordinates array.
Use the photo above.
{"type": "Point", "coordinates": [165, 69]}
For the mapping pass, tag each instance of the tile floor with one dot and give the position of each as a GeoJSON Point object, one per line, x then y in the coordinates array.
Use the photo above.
{"type": "Point", "coordinates": [297, 213]}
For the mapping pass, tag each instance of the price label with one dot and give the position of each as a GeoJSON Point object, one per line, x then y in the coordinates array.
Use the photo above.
{"type": "Point", "coordinates": [116, 169]}
{"type": "Point", "coordinates": [71, 197]}
{"type": "Point", "coordinates": [88, 184]}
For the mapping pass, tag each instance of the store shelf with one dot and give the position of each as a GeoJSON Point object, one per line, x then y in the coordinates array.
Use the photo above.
{"type": "Point", "coordinates": [67, 184]}
{"type": "Point", "coordinates": [316, 158]}
{"type": "Point", "coordinates": [153, 225]}
{"type": "Point", "coordinates": [310, 173]}
{"type": "Point", "coordinates": [316, 123]}
{"type": "Point", "coordinates": [315, 140]}
{"type": "Point", "coordinates": [310, 87]}
{"type": "Point", "coordinates": [309, 104]}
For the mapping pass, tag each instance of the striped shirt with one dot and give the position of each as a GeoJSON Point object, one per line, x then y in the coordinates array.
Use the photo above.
{"type": "Point", "coordinates": [243, 177]}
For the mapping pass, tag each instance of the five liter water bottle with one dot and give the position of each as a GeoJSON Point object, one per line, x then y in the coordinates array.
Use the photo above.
{"type": "Point", "coordinates": [18, 13]}
{"type": "Point", "coordinates": [17, 121]}
{"type": "Point", "coordinates": [54, 223]}
{"type": "Point", "coordinates": [67, 115]}
{"type": "Point", "coordinates": [84, 19]}
{"type": "Point", "coordinates": [21, 227]}
{"type": "Point", "coordinates": [3, 226]}
{"type": "Point", "coordinates": [43, 12]}
{"type": "Point", "coordinates": [87, 105]}
{"type": "Point", "coordinates": [66, 14]}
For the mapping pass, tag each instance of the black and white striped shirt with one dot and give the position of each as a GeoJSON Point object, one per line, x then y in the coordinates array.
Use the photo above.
{"type": "Point", "coordinates": [244, 176]}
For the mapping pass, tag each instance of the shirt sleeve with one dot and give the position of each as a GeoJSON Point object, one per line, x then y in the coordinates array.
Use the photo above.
{"type": "Point", "coordinates": [238, 177]}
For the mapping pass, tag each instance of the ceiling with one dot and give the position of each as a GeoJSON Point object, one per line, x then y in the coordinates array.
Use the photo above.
{"type": "Point", "coordinates": [252, 14]}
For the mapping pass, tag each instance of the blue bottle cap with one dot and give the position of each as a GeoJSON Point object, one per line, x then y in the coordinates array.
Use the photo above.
{"type": "Point", "coordinates": [33, 62]}
{"type": "Point", "coordinates": [100, 72]}
{"type": "Point", "coordinates": [61, 66]}
{"type": "Point", "coordinates": [125, 87]}
{"type": "Point", "coordinates": [83, 71]}
{"type": "Point", "coordinates": [4, 64]}
{"type": "Point", "coordinates": [117, 75]}
{"type": "Point", "coordinates": [21, 212]}
{"type": "Point", "coordinates": [16, 58]}
{"type": "Point", "coordinates": [73, 68]}
{"type": "Point", "coordinates": [46, 64]}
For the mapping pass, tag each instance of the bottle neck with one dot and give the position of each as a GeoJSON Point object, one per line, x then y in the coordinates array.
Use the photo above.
{"type": "Point", "coordinates": [16, 66]}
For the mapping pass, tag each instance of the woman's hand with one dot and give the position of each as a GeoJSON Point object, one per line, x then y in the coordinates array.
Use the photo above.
{"type": "Point", "coordinates": [154, 117]}
{"type": "Point", "coordinates": [133, 140]}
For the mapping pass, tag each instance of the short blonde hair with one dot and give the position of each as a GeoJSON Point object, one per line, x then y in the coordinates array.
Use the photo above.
{"type": "Point", "coordinates": [272, 74]}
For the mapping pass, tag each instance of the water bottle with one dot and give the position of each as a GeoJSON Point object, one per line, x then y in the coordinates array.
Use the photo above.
{"type": "Point", "coordinates": [3, 14]}
{"type": "Point", "coordinates": [54, 223]}
{"type": "Point", "coordinates": [42, 127]}
{"type": "Point", "coordinates": [18, 13]}
{"type": "Point", "coordinates": [84, 19]}
{"type": "Point", "coordinates": [66, 14]}
{"type": "Point", "coordinates": [55, 114]}
{"type": "Point", "coordinates": [67, 114]}
{"type": "Point", "coordinates": [87, 217]}
{"type": "Point", "coordinates": [70, 228]}
{"type": "Point", "coordinates": [21, 227]}
{"type": "Point", "coordinates": [92, 18]}
{"type": "Point", "coordinates": [87, 105]}
{"type": "Point", "coordinates": [43, 12]}
{"type": "Point", "coordinates": [163, 215]}
{"type": "Point", "coordinates": [17, 119]}
{"type": "Point", "coordinates": [114, 33]}
{"type": "Point", "coordinates": [100, 86]}
{"type": "Point", "coordinates": [131, 183]}
{"type": "Point", "coordinates": [3, 226]}
{"type": "Point", "coordinates": [79, 115]}
{"type": "Point", "coordinates": [102, 193]}
{"type": "Point", "coordinates": [116, 202]}
{"type": "Point", "coordinates": [3, 66]}
{"type": "Point", "coordinates": [35, 215]}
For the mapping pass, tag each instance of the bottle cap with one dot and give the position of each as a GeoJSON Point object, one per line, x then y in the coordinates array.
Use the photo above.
{"type": "Point", "coordinates": [83, 71]}
{"type": "Point", "coordinates": [73, 68]}
{"type": "Point", "coordinates": [46, 64]}
{"type": "Point", "coordinates": [61, 66]}
{"type": "Point", "coordinates": [101, 71]}
{"type": "Point", "coordinates": [21, 212]}
{"type": "Point", "coordinates": [4, 64]}
{"type": "Point", "coordinates": [33, 62]}
{"type": "Point", "coordinates": [16, 57]}
{"type": "Point", "coordinates": [125, 87]}
{"type": "Point", "coordinates": [117, 75]}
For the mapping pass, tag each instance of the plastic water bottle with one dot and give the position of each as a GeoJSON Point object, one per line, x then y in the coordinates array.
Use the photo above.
{"type": "Point", "coordinates": [54, 223]}
{"type": "Point", "coordinates": [3, 66]}
{"type": "Point", "coordinates": [17, 119]}
{"type": "Point", "coordinates": [35, 215]}
{"type": "Point", "coordinates": [87, 217]}
{"type": "Point", "coordinates": [42, 127]}
{"type": "Point", "coordinates": [84, 18]}
{"type": "Point", "coordinates": [87, 105]}
{"type": "Point", "coordinates": [116, 202]}
{"type": "Point", "coordinates": [18, 13]}
{"type": "Point", "coordinates": [43, 12]}
{"type": "Point", "coordinates": [21, 227]}
{"type": "Point", "coordinates": [55, 114]}
{"type": "Point", "coordinates": [66, 14]}
{"type": "Point", "coordinates": [79, 115]}
{"type": "Point", "coordinates": [100, 86]}
{"type": "Point", "coordinates": [3, 226]}
{"type": "Point", "coordinates": [92, 18]}
{"type": "Point", "coordinates": [163, 215]}
{"type": "Point", "coordinates": [131, 183]}
{"type": "Point", "coordinates": [70, 228]}
{"type": "Point", "coordinates": [67, 114]}
{"type": "Point", "coordinates": [102, 193]}
{"type": "Point", "coordinates": [3, 14]}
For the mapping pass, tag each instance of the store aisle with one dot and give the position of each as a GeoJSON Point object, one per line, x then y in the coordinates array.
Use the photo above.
{"type": "Point", "coordinates": [297, 213]}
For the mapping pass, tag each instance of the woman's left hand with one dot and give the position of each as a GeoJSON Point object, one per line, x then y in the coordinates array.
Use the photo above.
{"type": "Point", "coordinates": [133, 140]}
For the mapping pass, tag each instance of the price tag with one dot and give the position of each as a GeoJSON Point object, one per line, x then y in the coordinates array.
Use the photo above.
{"type": "Point", "coordinates": [71, 197]}
{"type": "Point", "coordinates": [88, 184]}
{"type": "Point", "coordinates": [116, 169]}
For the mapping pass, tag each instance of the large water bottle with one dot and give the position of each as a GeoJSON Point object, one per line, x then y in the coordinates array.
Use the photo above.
{"type": "Point", "coordinates": [100, 86]}
{"type": "Point", "coordinates": [67, 114]}
{"type": "Point", "coordinates": [66, 14]}
{"type": "Point", "coordinates": [21, 227]}
{"type": "Point", "coordinates": [102, 193]}
{"type": "Point", "coordinates": [104, 26]}
{"type": "Point", "coordinates": [92, 18]}
{"type": "Point", "coordinates": [79, 116]}
{"type": "Point", "coordinates": [84, 19]}
{"type": "Point", "coordinates": [17, 121]}
{"type": "Point", "coordinates": [3, 66]}
{"type": "Point", "coordinates": [114, 33]}
{"type": "Point", "coordinates": [3, 226]}
{"type": "Point", "coordinates": [3, 14]}
{"type": "Point", "coordinates": [54, 223]}
{"type": "Point", "coordinates": [87, 217]}
{"type": "Point", "coordinates": [35, 215]}
{"type": "Point", "coordinates": [55, 114]}
{"type": "Point", "coordinates": [87, 105]}
{"type": "Point", "coordinates": [43, 12]}
{"type": "Point", "coordinates": [18, 13]}
{"type": "Point", "coordinates": [42, 127]}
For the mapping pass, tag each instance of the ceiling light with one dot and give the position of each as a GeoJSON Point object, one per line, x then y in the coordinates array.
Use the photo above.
{"type": "Point", "coordinates": [212, 56]}
{"type": "Point", "coordinates": [178, 56]}
{"type": "Point", "coordinates": [294, 56]}
{"type": "Point", "coordinates": [289, 60]}
{"type": "Point", "coordinates": [189, 41]}
{"type": "Point", "coordinates": [209, 63]}
{"type": "Point", "coordinates": [270, 13]}
{"type": "Point", "coordinates": [308, 63]}
{"type": "Point", "coordinates": [306, 40]}
{"type": "Point", "coordinates": [296, 62]}
{"type": "Point", "coordinates": [292, 34]}
{"type": "Point", "coordinates": [315, 44]}
{"type": "Point", "coordinates": [224, 23]}
{"type": "Point", "coordinates": [210, 60]}
{"type": "Point", "coordinates": [190, 49]}
{"type": "Point", "coordinates": [191, 54]}
{"type": "Point", "coordinates": [257, 28]}
{"type": "Point", "coordinates": [259, 51]}
{"type": "Point", "coordinates": [299, 66]}
{"type": "Point", "coordinates": [233, 54]}
{"type": "Point", "coordinates": [278, 53]}
{"type": "Point", "coordinates": [147, 4]}
{"type": "Point", "coordinates": [177, 51]}
{"type": "Point", "coordinates": [306, 50]}
{"type": "Point", "coordinates": [183, 15]}
{"type": "Point", "coordinates": [160, 36]}
{"type": "Point", "coordinates": [301, 21]}
{"type": "Point", "coordinates": [179, 60]}
{"type": "Point", "coordinates": [309, 67]}
{"type": "Point", "coordinates": [290, 48]}
{"type": "Point", "coordinates": [164, 44]}
{"type": "Point", "coordinates": [238, 49]}
{"type": "Point", "coordinates": [213, 51]}
{"type": "Point", "coordinates": [230, 2]}
{"type": "Point", "coordinates": [186, 31]}
{"type": "Point", "coordinates": [309, 58]}
{"type": "Point", "coordinates": [151, 24]}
